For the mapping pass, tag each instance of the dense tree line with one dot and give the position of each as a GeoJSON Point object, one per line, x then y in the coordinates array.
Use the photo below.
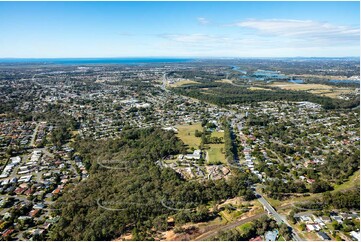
{"type": "Point", "coordinates": [128, 192]}
{"type": "Point", "coordinates": [224, 93]}
{"type": "Point", "coordinates": [341, 166]}
{"type": "Point", "coordinates": [277, 188]}
{"type": "Point", "coordinates": [229, 146]}
{"type": "Point", "coordinates": [338, 200]}
{"type": "Point", "coordinates": [199, 75]}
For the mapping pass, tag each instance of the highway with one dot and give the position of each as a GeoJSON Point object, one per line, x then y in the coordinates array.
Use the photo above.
{"type": "Point", "coordinates": [164, 81]}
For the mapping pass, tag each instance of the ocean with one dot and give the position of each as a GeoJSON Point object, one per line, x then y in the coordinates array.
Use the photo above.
{"type": "Point", "coordinates": [87, 61]}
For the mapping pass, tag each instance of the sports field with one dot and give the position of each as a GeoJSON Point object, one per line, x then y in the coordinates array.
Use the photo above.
{"type": "Point", "coordinates": [216, 151]}
{"type": "Point", "coordinates": [186, 134]}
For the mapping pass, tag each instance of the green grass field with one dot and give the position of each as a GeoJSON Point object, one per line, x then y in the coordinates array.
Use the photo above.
{"type": "Point", "coordinates": [215, 153]}
{"type": "Point", "coordinates": [217, 134]}
{"type": "Point", "coordinates": [186, 134]}
{"type": "Point", "coordinates": [352, 182]}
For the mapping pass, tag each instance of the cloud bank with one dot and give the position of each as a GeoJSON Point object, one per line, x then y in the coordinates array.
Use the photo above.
{"type": "Point", "coordinates": [269, 37]}
{"type": "Point", "coordinates": [305, 29]}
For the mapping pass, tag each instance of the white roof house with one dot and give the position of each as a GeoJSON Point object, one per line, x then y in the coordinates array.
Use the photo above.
{"type": "Point", "coordinates": [356, 235]}
{"type": "Point", "coordinates": [15, 160]}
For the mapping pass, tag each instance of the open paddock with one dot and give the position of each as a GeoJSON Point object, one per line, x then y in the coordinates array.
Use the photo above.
{"type": "Point", "coordinates": [318, 89]}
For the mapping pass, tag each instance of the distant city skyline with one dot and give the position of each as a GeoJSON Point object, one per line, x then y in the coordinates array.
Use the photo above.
{"type": "Point", "coordinates": [179, 29]}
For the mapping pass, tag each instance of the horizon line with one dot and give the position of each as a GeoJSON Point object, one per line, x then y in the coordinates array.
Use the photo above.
{"type": "Point", "coordinates": [179, 57]}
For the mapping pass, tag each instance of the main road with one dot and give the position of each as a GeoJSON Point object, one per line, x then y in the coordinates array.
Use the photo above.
{"type": "Point", "coordinates": [279, 219]}
{"type": "Point", "coordinates": [209, 234]}
{"type": "Point", "coordinates": [164, 82]}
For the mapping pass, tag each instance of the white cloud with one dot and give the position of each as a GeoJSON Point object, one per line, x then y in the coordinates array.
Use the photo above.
{"type": "Point", "coordinates": [203, 21]}
{"type": "Point", "coordinates": [272, 37]}
{"type": "Point", "coordinates": [251, 46]}
{"type": "Point", "coordinates": [306, 29]}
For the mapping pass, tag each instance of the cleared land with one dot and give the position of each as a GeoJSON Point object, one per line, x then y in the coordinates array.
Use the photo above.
{"type": "Point", "coordinates": [258, 88]}
{"type": "Point", "coordinates": [186, 134]}
{"type": "Point", "coordinates": [319, 89]}
{"type": "Point", "coordinates": [244, 209]}
{"type": "Point", "coordinates": [225, 81]}
{"type": "Point", "coordinates": [353, 181]}
{"type": "Point", "coordinates": [182, 82]}
{"type": "Point", "coordinates": [322, 77]}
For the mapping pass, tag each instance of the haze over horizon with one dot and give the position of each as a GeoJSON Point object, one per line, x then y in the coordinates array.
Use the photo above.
{"type": "Point", "coordinates": [179, 29]}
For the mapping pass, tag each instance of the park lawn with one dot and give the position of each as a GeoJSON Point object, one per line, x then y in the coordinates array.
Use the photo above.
{"type": "Point", "coordinates": [186, 134]}
{"type": "Point", "coordinates": [215, 153]}
{"type": "Point", "coordinates": [217, 134]}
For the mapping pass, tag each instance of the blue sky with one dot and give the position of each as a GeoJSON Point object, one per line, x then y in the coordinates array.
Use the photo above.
{"type": "Point", "coordinates": [179, 29]}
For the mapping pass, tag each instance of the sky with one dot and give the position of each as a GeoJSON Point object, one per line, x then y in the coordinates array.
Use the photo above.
{"type": "Point", "coordinates": [179, 29]}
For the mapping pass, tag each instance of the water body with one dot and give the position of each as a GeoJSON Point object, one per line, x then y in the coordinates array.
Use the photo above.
{"type": "Point", "coordinates": [236, 68]}
{"type": "Point", "coordinates": [344, 81]}
{"type": "Point", "coordinates": [296, 81]}
{"type": "Point", "coordinates": [81, 61]}
{"type": "Point", "coordinates": [269, 74]}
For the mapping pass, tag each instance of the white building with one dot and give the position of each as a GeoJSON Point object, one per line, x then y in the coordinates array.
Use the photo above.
{"type": "Point", "coordinates": [356, 235]}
